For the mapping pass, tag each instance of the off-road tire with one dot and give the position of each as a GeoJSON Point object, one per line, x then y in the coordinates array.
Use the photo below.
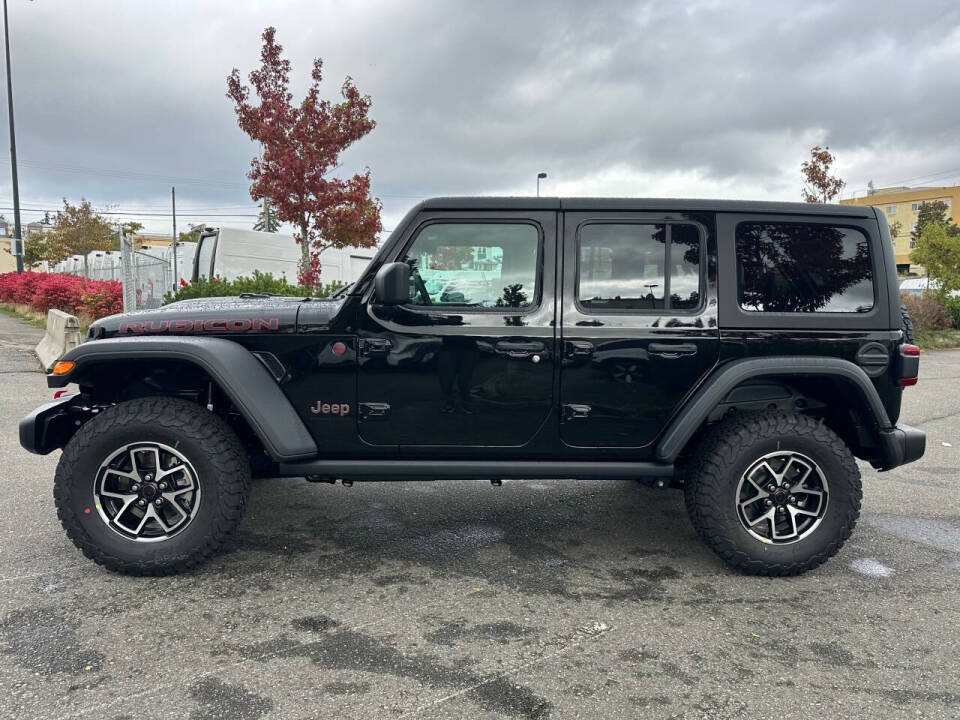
{"type": "Point", "coordinates": [208, 443]}
{"type": "Point", "coordinates": [907, 324]}
{"type": "Point", "coordinates": [728, 450]}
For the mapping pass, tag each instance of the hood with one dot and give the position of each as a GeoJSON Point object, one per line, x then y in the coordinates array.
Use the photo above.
{"type": "Point", "coordinates": [222, 316]}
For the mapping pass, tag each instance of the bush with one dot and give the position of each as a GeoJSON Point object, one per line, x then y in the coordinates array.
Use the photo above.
{"type": "Point", "coordinates": [927, 311]}
{"type": "Point", "coordinates": [55, 291]}
{"type": "Point", "coordinates": [257, 283]}
{"type": "Point", "coordinates": [953, 309]}
{"type": "Point", "coordinates": [60, 292]}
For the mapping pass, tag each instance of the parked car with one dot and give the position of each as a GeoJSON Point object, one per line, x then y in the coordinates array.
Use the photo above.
{"type": "Point", "coordinates": [745, 352]}
{"type": "Point", "coordinates": [918, 286]}
{"type": "Point", "coordinates": [230, 253]}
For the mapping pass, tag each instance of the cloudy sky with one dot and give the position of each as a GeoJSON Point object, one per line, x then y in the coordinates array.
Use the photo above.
{"type": "Point", "coordinates": [116, 101]}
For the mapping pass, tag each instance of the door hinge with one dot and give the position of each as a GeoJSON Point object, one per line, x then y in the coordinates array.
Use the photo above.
{"type": "Point", "coordinates": [576, 412]}
{"type": "Point", "coordinates": [375, 346]}
{"type": "Point", "coordinates": [374, 411]}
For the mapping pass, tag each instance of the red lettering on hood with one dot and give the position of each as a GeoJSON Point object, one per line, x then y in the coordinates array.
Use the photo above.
{"type": "Point", "coordinates": [199, 325]}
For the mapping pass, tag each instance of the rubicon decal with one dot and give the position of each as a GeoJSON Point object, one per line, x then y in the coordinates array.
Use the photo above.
{"type": "Point", "coordinates": [211, 325]}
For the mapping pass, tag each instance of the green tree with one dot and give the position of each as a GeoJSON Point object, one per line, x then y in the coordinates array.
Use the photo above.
{"type": "Point", "coordinates": [933, 212]}
{"type": "Point", "coordinates": [43, 246]}
{"type": "Point", "coordinates": [819, 186]}
{"type": "Point", "coordinates": [79, 229]}
{"type": "Point", "coordinates": [267, 219]}
{"type": "Point", "coordinates": [939, 252]}
{"type": "Point", "coordinates": [896, 227]}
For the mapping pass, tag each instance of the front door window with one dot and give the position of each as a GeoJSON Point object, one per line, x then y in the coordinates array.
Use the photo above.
{"type": "Point", "coordinates": [474, 265]}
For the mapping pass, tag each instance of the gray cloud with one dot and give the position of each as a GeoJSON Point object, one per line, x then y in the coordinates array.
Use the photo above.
{"type": "Point", "coordinates": [652, 98]}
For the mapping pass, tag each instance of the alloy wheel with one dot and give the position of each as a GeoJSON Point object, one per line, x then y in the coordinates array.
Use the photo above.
{"type": "Point", "coordinates": [146, 492]}
{"type": "Point", "coordinates": [782, 497]}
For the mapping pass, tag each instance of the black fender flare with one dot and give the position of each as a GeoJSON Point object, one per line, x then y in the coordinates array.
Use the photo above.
{"type": "Point", "coordinates": [694, 413]}
{"type": "Point", "coordinates": [240, 375]}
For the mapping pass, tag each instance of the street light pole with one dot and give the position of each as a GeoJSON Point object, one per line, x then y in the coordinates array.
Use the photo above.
{"type": "Point", "coordinates": [13, 149]}
{"type": "Point", "coordinates": [540, 176]}
{"type": "Point", "coordinates": [173, 207]}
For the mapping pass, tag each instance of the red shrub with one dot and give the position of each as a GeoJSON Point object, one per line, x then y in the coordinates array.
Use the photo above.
{"type": "Point", "coordinates": [60, 292]}
{"type": "Point", "coordinates": [70, 293]}
{"type": "Point", "coordinates": [26, 287]}
{"type": "Point", "coordinates": [101, 298]}
{"type": "Point", "coordinates": [9, 282]}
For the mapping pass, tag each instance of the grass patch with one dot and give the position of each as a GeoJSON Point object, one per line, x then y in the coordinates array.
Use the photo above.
{"type": "Point", "coordinates": [37, 319]}
{"type": "Point", "coordinates": [937, 339]}
{"type": "Point", "coordinates": [23, 312]}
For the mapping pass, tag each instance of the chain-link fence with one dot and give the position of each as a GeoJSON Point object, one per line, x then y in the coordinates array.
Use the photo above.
{"type": "Point", "coordinates": [146, 273]}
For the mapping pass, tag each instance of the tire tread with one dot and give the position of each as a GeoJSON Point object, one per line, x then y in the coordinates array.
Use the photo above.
{"type": "Point", "coordinates": [189, 420]}
{"type": "Point", "coordinates": [704, 483]}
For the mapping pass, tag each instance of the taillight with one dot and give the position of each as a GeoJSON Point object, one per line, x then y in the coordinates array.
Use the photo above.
{"type": "Point", "coordinates": [58, 393]}
{"type": "Point", "coordinates": [909, 365]}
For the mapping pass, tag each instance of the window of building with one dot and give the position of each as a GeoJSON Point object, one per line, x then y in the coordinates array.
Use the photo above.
{"type": "Point", "coordinates": [915, 206]}
{"type": "Point", "coordinates": [891, 209]}
{"type": "Point", "coordinates": [639, 267]}
{"type": "Point", "coordinates": [796, 267]}
{"type": "Point", "coordinates": [481, 265]}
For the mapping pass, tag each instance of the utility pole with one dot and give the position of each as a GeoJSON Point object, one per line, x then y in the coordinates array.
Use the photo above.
{"type": "Point", "coordinates": [18, 241]}
{"type": "Point", "coordinates": [173, 202]}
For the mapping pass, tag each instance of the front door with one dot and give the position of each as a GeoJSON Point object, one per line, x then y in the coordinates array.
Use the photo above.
{"type": "Point", "coordinates": [468, 361]}
{"type": "Point", "coordinates": [639, 323]}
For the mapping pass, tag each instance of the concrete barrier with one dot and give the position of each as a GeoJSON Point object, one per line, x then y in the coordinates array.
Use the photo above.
{"type": "Point", "coordinates": [63, 333]}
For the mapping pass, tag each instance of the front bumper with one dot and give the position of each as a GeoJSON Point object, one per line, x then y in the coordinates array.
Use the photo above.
{"type": "Point", "coordinates": [50, 426]}
{"type": "Point", "coordinates": [900, 445]}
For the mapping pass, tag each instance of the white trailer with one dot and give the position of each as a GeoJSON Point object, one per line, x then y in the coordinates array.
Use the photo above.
{"type": "Point", "coordinates": [229, 253]}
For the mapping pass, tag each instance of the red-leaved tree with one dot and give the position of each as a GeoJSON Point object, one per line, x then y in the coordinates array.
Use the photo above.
{"type": "Point", "coordinates": [301, 146]}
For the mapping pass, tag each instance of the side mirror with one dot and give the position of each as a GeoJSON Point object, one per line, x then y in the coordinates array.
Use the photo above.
{"type": "Point", "coordinates": [392, 284]}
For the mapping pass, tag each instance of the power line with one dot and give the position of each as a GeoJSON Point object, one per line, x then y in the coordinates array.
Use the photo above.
{"type": "Point", "coordinates": [133, 174]}
{"type": "Point", "coordinates": [944, 175]}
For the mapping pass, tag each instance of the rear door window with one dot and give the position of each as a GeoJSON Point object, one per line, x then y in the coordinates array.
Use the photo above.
{"type": "Point", "coordinates": [639, 267]}
{"type": "Point", "coordinates": [803, 268]}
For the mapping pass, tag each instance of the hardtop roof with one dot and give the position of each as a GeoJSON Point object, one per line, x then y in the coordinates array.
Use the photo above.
{"type": "Point", "coordinates": [643, 204]}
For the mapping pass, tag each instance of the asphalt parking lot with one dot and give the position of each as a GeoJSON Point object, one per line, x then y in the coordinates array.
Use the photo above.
{"type": "Point", "coordinates": [459, 599]}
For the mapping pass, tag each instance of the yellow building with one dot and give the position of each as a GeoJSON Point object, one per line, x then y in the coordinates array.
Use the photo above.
{"type": "Point", "coordinates": [901, 204]}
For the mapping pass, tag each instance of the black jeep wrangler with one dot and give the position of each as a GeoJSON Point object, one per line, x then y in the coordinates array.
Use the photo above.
{"type": "Point", "coordinates": [744, 351]}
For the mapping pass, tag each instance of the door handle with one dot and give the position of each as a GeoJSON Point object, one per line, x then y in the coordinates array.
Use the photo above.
{"type": "Point", "coordinates": [579, 348]}
{"type": "Point", "coordinates": [518, 348]}
{"type": "Point", "coordinates": [672, 351]}
{"type": "Point", "coordinates": [375, 346]}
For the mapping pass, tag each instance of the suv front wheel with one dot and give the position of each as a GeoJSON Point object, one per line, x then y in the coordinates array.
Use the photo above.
{"type": "Point", "coordinates": [151, 486]}
{"type": "Point", "coordinates": [773, 493]}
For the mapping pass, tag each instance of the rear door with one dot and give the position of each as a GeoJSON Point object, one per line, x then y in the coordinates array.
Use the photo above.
{"type": "Point", "coordinates": [639, 323]}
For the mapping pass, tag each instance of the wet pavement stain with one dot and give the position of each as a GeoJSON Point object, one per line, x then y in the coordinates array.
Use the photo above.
{"type": "Point", "coordinates": [832, 654]}
{"type": "Point", "coordinates": [471, 543]}
{"type": "Point", "coordinates": [218, 700]}
{"type": "Point", "coordinates": [315, 623]}
{"type": "Point", "coordinates": [44, 641]}
{"type": "Point", "coordinates": [346, 688]}
{"type": "Point", "coordinates": [503, 632]}
{"type": "Point", "coordinates": [359, 652]}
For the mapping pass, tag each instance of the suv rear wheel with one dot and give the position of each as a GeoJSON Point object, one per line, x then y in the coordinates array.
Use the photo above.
{"type": "Point", "coordinates": [773, 493]}
{"type": "Point", "coordinates": [152, 486]}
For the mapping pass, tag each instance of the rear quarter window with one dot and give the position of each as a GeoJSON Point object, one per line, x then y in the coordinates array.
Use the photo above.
{"type": "Point", "coordinates": [803, 268]}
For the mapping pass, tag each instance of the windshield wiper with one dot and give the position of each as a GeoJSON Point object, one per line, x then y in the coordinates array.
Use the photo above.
{"type": "Point", "coordinates": [341, 291]}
